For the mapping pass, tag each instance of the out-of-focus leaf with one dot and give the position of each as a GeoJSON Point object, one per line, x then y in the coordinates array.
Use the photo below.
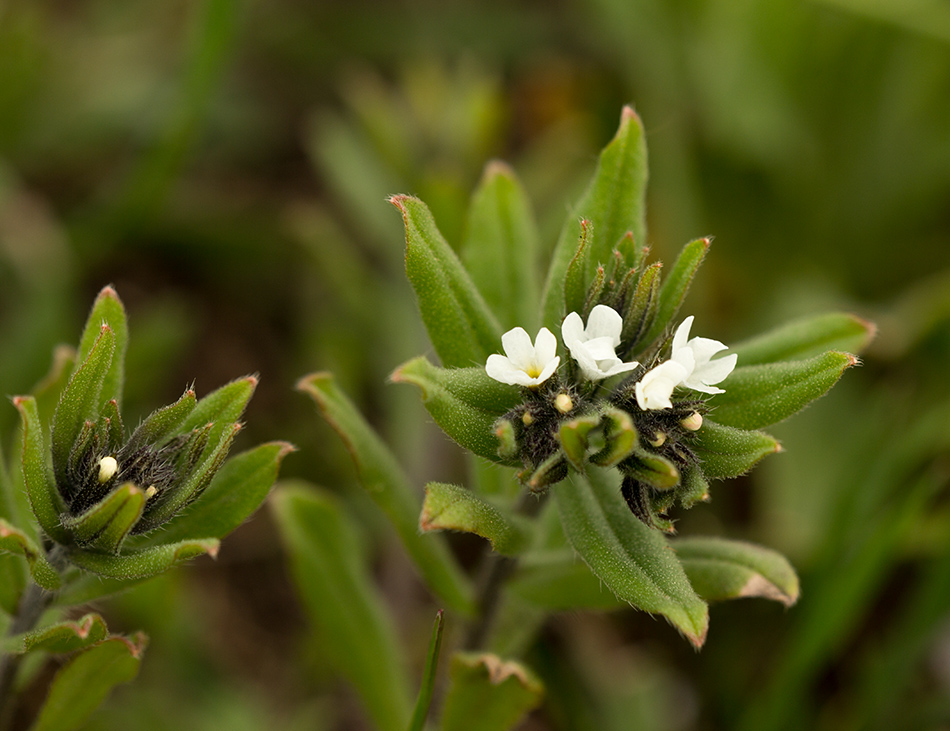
{"type": "Point", "coordinates": [81, 400]}
{"type": "Point", "coordinates": [500, 248]}
{"type": "Point", "coordinates": [613, 204]}
{"type": "Point", "coordinates": [45, 499]}
{"type": "Point", "coordinates": [107, 310]}
{"type": "Point", "coordinates": [17, 542]}
{"type": "Point", "coordinates": [633, 560]}
{"type": "Point", "coordinates": [387, 484]}
{"type": "Point", "coordinates": [236, 491]}
{"type": "Point", "coordinates": [465, 402]}
{"type": "Point", "coordinates": [806, 338]}
{"type": "Point", "coordinates": [341, 600]}
{"type": "Point", "coordinates": [450, 507]}
{"type": "Point", "coordinates": [760, 395]}
{"type": "Point", "coordinates": [49, 389]}
{"type": "Point", "coordinates": [675, 286]}
{"type": "Point", "coordinates": [488, 693]}
{"type": "Point", "coordinates": [424, 699]}
{"type": "Point", "coordinates": [728, 452]}
{"type": "Point", "coordinates": [460, 324]}
{"type": "Point", "coordinates": [61, 637]}
{"type": "Point", "coordinates": [721, 569]}
{"type": "Point", "coordinates": [85, 681]}
{"type": "Point", "coordinates": [145, 562]}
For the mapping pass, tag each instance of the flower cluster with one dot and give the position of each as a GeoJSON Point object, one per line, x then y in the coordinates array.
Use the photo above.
{"type": "Point", "coordinates": [564, 414]}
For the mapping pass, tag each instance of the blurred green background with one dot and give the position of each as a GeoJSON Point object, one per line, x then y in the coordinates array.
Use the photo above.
{"type": "Point", "coordinates": [225, 164]}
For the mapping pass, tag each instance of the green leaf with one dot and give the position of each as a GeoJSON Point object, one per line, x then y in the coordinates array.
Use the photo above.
{"type": "Point", "coordinates": [107, 310]}
{"type": "Point", "coordinates": [81, 400]}
{"type": "Point", "coordinates": [460, 324]}
{"type": "Point", "coordinates": [222, 407]}
{"type": "Point", "coordinates": [143, 563]}
{"type": "Point", "coordinates": [387, 484]}
{"type": "Point", "coordinates": [62, 637]}
{"type": "Point", "coordinates": [576, 282]}
{"type": "Point", "coordinates": [339, 596]}
{"type": "Point", "coordinates": [675, 286]}
{"type": "Point", "coordinates": [86, 680]}
{"type": "Point", "coordinates": [557, 580]}
{"type": "Point", "coordinates": [17, 542]}
{"type": "Point", "coordinates": [106, 524]}
{"type": "Point", "coordinates": [642, 307]}
{"type": "Point", "coordinates": [50, 388]}
{"type": "Point", "coordinates": [613, 204]}
{"type": "Point", "coordinates": [721, 569]}
{"type": "Point", "coordinates": [633, 560]}
{"type": "Point", "coordinates": [500, 248]}
{"type": "Point", "coordinates": [237, 490]}
{"type": "Point", "coordinates": [760, 395]}
{"type": "Point", "coordinates": [806, 338]}
{"type": "Point", "coordinates": [465, 402]}
{"type": "Point", "coordinates": [488, 693]}
{"type": "Point", "coordinates": [653, 469]}
{"type": "Point", "coordinates": [163, 422]}
{"type": "Point", "coordinates": [450, 507]}
{"type": "Point", "coordinates": [45, 499]}
{"type": "Point", "coordinates": [728, 452]}
{"type": "Point", "coordinates": [424, 699]}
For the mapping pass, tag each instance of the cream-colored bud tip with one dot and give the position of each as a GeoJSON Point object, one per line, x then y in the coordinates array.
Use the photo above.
{"type": "Point", "coordinates": [107, 468]}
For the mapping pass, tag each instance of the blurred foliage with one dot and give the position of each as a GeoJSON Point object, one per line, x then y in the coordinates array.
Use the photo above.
{"type": "Point", "coordinates": [224, 164]}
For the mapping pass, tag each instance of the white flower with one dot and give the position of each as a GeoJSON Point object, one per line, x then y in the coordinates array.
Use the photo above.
{"type": "Point", "coordinates": [655, 388]}
{"type": "Point", "coordinates": [695, 355]}
{"type": "Point", "coordinates": [525, 364]}
{"type": "Point", "coordinates": [594, 347]}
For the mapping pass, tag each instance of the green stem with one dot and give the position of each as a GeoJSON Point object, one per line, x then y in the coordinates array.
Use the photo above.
{"type": "Point", "coordinates": [33, 603]}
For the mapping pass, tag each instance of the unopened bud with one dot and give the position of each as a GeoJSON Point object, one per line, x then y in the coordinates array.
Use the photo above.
{"type": "Point", "coordinates": [563, 403]}
{"type": "Point", "coordinates": [151, 491]}
{"type": "Point", "coordinates": [692, 422]}
{"type": "Point", "coordinates": [659, 440]}
{"type": "Point", "coordinates": [107, 469]}
{"type": "Point", "coordinates": [527, 419]}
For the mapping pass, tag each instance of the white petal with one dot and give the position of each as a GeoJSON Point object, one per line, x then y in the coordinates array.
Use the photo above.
{"type": "Point", "coordinates": [545, 346]}
{"type": "Point", "coordinates": [601, 348]}
{"type": "Point", "coordinates": [653, 391]}
{"type": "Point", "coordinates": [548, 371]}
{"type": "Point", "coordinates": [604, 322]}
{"type": "Point", "coordinates": [715, 370]}
{"type": "Point", "coordinates": [518, 347]}
{"type": "Point", "coordinates": [704, 349]}
{"type": "Point", "coordinates": [503, 370]}
{"type": "Point", "coordinates": [682, 334]}
{"type": "Point", "coordinates": [572, 330]}
{"type": "Point", "coordinates": [620, 368]}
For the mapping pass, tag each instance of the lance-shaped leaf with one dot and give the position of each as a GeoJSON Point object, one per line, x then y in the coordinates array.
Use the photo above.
{"type": "Point", "coordinates": [765, 394]}
{"type": "Point", "coordinates": [465, 402]}
{"type": "Point", "coordinates": [143, 563]}
{"type": "Point", "coordinates": [722, 569]}
{"type": "Point", "coordinates": [488, 693]}
{"type": "Point", "coordinates": [62, 637]}
{"type": "Point", "coordinates": [162, 423]}
{"type": "Point", "coordinates": [236, 491]}
{"type": "Point", "coordinates": [338, 593]}
{"type": "Point", "coordinates": [620, 438]}
{"type": "Point", "coordinates": [728, 452]}
{"type": "Point", "coordinates": [557, 580]}
{"type": "Point", "coordinates": [387, 484]}
{"type": "Point", "coordinates": [107, 310]}
{"type": "Point", "coordinates": [574, 436]}
{"type": "Point", "coordinates": [652, 469]}
{"type": "Point", "coordinates": [81, 400]}
{"type": "Point", "coordinates": [84, 682]}
{"type": "Point", "coordinates": [675, 286]}
{"type": "Point", "coordinates": [49, 389]}
{"type": "Point", "coordinates": [460, 324]}
{"type": "Point", "coordinates": [576, 281]}
{"type": "Point", "coordinates": [500, 248]}
{"type": "Point", "coordinates": [106, 524]}
{"type": "Point", "coordinates": [450, 507]}
{"type": "Point", "coordinates": [45, 499]}
{"type": "Point", "coordinates": [633, 560]}
{"type": "Point", "coordinates": [642, 307]}
{"type": "Point", "coordinates": [614, 205]}
{"type": "Point", "coordinates": [806, 338]}
{"type": "Point", "coordinates": [424, 699]}
{"type": "Point", "coordinates": [16, 541]}
{"type": "Point", "coordinates": [222, 407]}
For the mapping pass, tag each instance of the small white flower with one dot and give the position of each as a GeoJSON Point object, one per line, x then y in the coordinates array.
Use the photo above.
{"type": "Point", "coordinates": [594, 347]}
{"type": "Point", "coordinates": [655, 388]}
{"type": "Point", "coordinates": [524, 364]}
{"type": "Point", "coordinates": [695, 355]}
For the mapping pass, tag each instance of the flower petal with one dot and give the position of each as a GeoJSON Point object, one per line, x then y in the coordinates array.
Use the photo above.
{"type": "Point", "coordinates": [545, 347]}
{"type": "Point", "coordinates": [518, 347]}
{"type": "Point", "coordinates": [704, 349]}
{"type": "Point", "coordinates": [714, 371]}
{"type": "Point", "coordinates": [503, 370]}
{"type": "Point", "coordinates": [653, 391]}
{"type": "Point", "coordinates": [572, 330]}
{"type": "Point", "coordinates": [682, 335]}
{"type": "Point", "coordinates": [604, 322]}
